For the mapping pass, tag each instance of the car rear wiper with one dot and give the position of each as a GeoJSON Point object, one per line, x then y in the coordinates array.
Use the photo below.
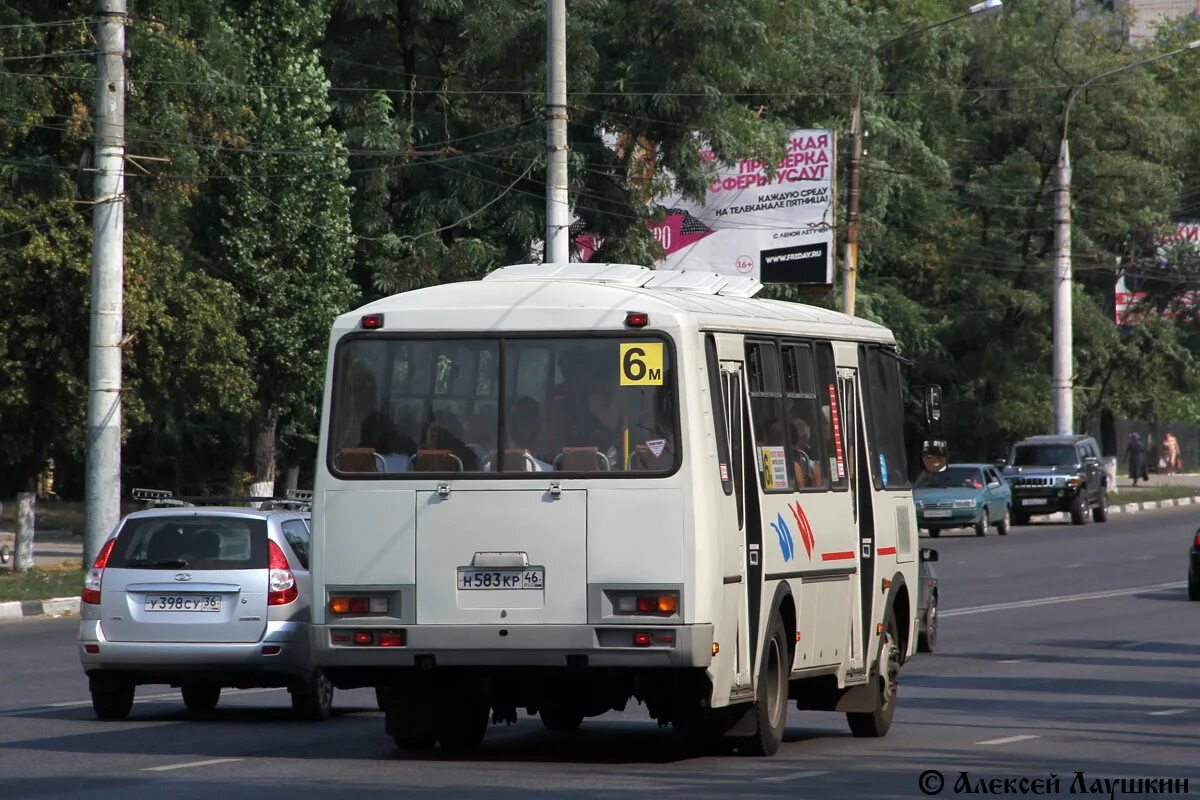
{"type": "Point", "coordinates": [145, 562]}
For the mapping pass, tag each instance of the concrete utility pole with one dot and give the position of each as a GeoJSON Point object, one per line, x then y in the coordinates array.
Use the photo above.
{"type": "Point", "coordinates": [558, 211]}
{"type": "Point", "coordinates": [1062, 377]}
{"type": "Point", "coordinates": [850, 252]}
{"type": "Point", "coordinates": [103, 479]}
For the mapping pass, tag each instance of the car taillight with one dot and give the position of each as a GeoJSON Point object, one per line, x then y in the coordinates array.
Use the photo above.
{"type": "Point", "coordinates": [1197, 542]}
{"type": "Point", "coordinates": [282, 583]}
{"type": "Point", "coordinates": [95, 576]}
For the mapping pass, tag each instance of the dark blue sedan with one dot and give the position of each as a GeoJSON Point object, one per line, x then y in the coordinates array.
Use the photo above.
{"type": "Point", "coordinates": [963, 496]}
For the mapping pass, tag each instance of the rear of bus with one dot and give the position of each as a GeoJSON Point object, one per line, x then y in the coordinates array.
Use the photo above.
{"type": "Point", "coordinates": [500, 515]}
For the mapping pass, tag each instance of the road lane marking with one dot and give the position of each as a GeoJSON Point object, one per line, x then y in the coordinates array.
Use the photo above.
{"type": "Point", "coordinates": [1012, 661]}
{"type": "Point", "coordinates": [1072, 566]}
{"type": "Point", "coordinates": [1064, 598]}
{"type": "Point", "coordinates": [1142, 558]}
{"type": "Point", "coordinates": [795, 776]}
{"type": "Point", "coordinates": [191, 764]}
{"type": "Point", "coordinates": [1170, 712]}
{"type": "Point", "coordinates": [1011, 739]}
{"type": "Point", "coordinates": [150, 698]}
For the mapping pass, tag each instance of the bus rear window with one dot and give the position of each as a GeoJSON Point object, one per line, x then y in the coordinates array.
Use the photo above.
{"type": "Point", "coordinates": [402, 407]}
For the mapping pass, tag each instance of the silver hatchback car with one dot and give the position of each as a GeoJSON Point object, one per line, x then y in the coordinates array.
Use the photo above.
{"type": "Point", "coordinates": [201, 598]}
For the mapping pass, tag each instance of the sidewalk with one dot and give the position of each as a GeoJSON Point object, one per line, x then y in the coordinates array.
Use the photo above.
{"type": "Point", "coordinates": [50, 548]}
{"type": "Point", "coordinates": [1165, 479]}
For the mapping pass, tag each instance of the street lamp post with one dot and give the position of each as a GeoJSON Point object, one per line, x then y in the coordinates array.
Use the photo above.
{"type": "Point", "coordinates": [1061, 376]}
{"type": "Point", "coordinates": [850, 256]}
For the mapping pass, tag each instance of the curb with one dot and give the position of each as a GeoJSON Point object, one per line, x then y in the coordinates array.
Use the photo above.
{"type": "Point", "coordinates": [1132, 508]}
{"type": "Point", "coordinates": [55, 607]}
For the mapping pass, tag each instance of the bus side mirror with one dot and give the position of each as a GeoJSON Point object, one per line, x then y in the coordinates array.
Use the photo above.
{"type": "Point", "coordinates": [935, 454]}
{"type": "Point", "coordinates": [929, 554]}
{"type": "Point", "coordinates": [933, 411]}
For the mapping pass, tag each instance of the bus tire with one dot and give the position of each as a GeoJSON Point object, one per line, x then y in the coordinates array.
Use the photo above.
{"type": "Point", "coordinates": [409, 717]}
{"type": "Point", "coordinates": [771, 703]}
{"type": "Point", "coordinates": [876, 723]}
{"type": "Point", "coordinates": [561, 718]}
{"type": "Point", "coordinates": [462, 718]}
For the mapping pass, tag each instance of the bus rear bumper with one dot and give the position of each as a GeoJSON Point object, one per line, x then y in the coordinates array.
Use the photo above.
{"type": "Point", "coordinates": [576, 646]}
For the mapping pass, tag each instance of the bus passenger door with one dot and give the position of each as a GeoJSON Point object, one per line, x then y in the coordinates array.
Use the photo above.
{"type": "Point", "coordinates": [735, 558]}
{"type": "Point", "coordinates": [848, 422]}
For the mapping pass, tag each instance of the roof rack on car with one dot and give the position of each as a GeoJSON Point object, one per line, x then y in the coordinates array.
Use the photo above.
{"type": "Point", "coordinates": [298, 500]}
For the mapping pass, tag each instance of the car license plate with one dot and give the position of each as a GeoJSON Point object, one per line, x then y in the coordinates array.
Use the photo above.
{"type": "Point", "coordinates": [470, 578]}
{"type": "Point", "coordinates": [1034, 501]}
{"type": "Point", "coordinates": [183, 602]}
{"type": "Point", "coordinates": [938, 512]}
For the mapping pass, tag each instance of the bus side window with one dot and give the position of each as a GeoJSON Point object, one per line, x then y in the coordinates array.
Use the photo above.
{"type": "Point", "coordinates": [885, 418]}
{"type": "Point", "coordinates": [827, 400]}
{"type": "Point", "coordinates": [801, 412]}
{"type": "Point", "coordinates": [766, 407]}
{"type": "Point", "coordinates": [731, 385]}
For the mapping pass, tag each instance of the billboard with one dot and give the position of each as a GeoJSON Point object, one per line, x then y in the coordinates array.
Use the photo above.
{"type": "Point", "coordinates": [1126, 306]}
{"type": "Point", "coordinates": [772, 222]}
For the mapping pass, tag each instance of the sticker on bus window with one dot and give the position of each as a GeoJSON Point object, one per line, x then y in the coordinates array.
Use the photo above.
{"type": "Point", "coordinates": [724, 472]}
{"type": "Point", "coordinates": [774, 466]}
{"type": "Point", "coordinates": [835, 418]}
{"type": "Point", "coordinates": [642, 364]}
{"type": "Point", "coordinates": [656, 446]}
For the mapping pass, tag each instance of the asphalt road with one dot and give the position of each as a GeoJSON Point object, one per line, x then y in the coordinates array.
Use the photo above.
{"type": "Point", "coordinates": [1061, 650]}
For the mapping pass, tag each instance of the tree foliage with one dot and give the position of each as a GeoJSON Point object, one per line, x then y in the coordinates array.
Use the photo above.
{"type": "Point", "coordinates": [290, 156]}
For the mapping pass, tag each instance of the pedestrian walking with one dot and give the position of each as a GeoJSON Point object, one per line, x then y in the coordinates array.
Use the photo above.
{"type": "Point", "coordinates": [1170, 450]}
{"type": "Point", "coordinates": [1135, 453]}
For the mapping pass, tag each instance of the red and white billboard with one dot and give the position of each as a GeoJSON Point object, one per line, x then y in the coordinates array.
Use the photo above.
{"type": "Point", "coordinates": [1127, 306]}
{"type": "Point", "coordinates": [772, 222]}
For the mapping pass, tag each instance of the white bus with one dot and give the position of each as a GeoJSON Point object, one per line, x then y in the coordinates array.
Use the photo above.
{"type": "Point", "coordinates": [563, 487]}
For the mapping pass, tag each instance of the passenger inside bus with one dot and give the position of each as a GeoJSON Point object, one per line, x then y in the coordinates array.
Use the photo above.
{"type": "Point", "coordinates": [585, 408]}
{"type": "Point", "coordinates": [805, 468]}
{"type": "Point", "coordinates": [442, 447]}
{"type": "Point", "coordinates": [393, 451]}
{"type": "Point", "coordinates": [524, 425]}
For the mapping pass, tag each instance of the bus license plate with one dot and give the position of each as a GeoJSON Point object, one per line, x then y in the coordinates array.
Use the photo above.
{"type": "Point", "coordinates": [470, 578]}
{"type": "Point", "coordinates": [183, 602]}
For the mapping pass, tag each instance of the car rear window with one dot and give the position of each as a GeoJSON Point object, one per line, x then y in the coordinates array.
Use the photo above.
{"type": "Point", "coordinates": [195, 541]}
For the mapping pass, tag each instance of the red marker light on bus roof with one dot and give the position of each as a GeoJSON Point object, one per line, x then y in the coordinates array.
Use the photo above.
{"type": "Point", "coordinates": [372, 322]}
{"type": "Point", "coordinates": [636, 319]}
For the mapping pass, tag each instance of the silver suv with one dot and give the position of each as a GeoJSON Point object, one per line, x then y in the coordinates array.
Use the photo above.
{"type": "Point", "coordinates": [201, 598]}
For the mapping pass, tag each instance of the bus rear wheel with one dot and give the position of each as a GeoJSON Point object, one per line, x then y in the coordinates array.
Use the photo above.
{"type": "Point", "coordinates": [463, 717]}
{"type": "Point", "coordinates": [409, 716]}
{"type": "Point", "coordinates": [876, 723]}
{"type": "Point", "coordinates": [770, 707]}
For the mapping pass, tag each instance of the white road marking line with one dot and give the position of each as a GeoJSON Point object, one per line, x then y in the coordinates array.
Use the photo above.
{"type": "Point", "coordinates": [1072, 566]}
{"type": "Point", "coordinates": [191, 764]}
{"type": "Point", "coordinates": [795, 776]}
{"type": "Point", "coordinates": [1128, 645]}
{"type": "Point", "coordinates": [1170, 712]}
{"type": "Point", "coordinates": [1142, 558]}
{"type": "Point", "coordinates": [150, 698]}
{"type": "Point", "coordinates": [1012, 661]}
{"type": "Point", "coordinates": [1011, 739]}
{"type": "Point", "coordinates": [1065, 598]}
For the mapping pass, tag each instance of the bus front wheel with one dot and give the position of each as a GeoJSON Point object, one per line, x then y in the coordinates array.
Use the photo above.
{"type": "Point", "coordinates": [876, 723]}
{"type": "Point", "coordinates": [770, 707]}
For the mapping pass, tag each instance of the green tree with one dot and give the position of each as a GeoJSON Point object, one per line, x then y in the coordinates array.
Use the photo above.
{"type": "Point", "coordinates": [277, 224]}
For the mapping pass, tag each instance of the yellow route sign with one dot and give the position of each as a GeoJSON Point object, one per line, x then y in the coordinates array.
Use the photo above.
{"type": "Point", "coordinates": [642, 364]}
